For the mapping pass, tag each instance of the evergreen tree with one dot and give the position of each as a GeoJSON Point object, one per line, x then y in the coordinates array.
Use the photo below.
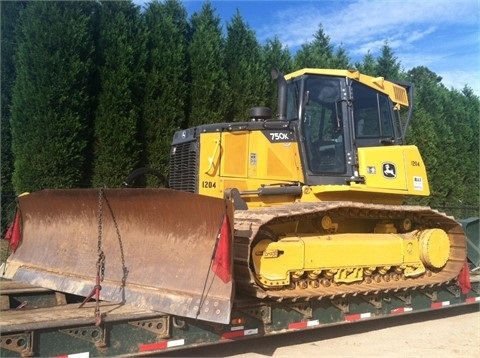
{"type": "Point", "coordinates": [470, 104]}
{"type": "Point", "coordinates": [387, 64]}
{"type": "Point", "coordinates": [368, 66]}
{"type": "Point", "coordinates": [427, 84]}
{"type": "Point", "coordinates": [340, 59]}
{"type": "Point", "coordinates": [279, 57]}
{"type": "Point", "coordinates": [52, 103]}
{"type": "Point", "coordinates": [10, 12]}
{"type": "Point", "coordinates": [243, 63]}
{"type": "Point", "coordinates": [462, 118]}
{"type": "Point", "coordinates": [166, 86]}
{"type": "Point", "coordinates": [208, 79]}
{"type": "Point", "coordinates": [316, 54]}
{"type": "Point", "coordinates": [117, 121]}
{"type": "Point", "coordinates": [148, 78]}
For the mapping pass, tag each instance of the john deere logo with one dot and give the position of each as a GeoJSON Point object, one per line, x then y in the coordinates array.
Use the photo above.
{"type": "Point", "coordinates": [389, 170]}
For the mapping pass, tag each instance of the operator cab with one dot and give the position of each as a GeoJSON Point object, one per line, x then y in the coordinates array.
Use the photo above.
{"type": "Point", "coordinates": [336, 115]}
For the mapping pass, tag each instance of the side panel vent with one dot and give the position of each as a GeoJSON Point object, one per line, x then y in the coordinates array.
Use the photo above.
{"type": "Point", "coordinates": [184, 167]}
{"type": "Point", "coordinates": [400, 94]}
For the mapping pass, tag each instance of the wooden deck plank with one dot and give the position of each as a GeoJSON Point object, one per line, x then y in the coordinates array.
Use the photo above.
{"type": "Point", "coordinates": [69, 315]}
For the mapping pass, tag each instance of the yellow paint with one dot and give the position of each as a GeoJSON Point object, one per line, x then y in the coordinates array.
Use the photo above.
{"type": "Point", "coordinates": [410, 176]}
{"type": "Point", "coordinates": [347, 257]}
{"type": "Point", "coordinates": [398, 94]}
{"type": "Point", "coordinates": [246, 161]}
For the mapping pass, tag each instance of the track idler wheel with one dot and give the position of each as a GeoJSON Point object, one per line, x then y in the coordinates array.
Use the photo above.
{"type": "Point", "coordinates": [434, 247]}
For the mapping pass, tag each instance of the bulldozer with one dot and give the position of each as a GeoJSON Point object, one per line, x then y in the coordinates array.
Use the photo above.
{"type": "Point", "coordinates": [319, 191]}
{"type": "Point", "coordinates": [302, 205]}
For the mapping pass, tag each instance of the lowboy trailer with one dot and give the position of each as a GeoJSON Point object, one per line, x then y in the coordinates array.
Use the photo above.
{"type": "Point", "coordinates": [41, 322]}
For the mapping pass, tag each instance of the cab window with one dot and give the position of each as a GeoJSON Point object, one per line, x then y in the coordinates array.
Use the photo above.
{"type": "Point", "coordinates": [372, 113]}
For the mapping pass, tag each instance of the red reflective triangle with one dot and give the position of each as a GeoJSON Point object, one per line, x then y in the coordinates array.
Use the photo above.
{"type": "Point", "coordinates": [13, 233]}
{"type": "Point", "coordinates": [464, 279]}
{"type": "Point", "coordinates": [222, 264]}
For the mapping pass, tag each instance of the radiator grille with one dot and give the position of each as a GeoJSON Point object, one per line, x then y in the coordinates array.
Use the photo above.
{"type": "Point", "coordinates": [184, 167]}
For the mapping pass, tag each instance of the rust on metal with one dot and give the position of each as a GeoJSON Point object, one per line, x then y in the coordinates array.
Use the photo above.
{"type": "Point", "coordinates": [158, 246]}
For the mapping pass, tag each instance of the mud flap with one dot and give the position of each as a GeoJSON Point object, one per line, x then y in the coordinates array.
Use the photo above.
{"type": "Point", "coordinates": [159, 248]}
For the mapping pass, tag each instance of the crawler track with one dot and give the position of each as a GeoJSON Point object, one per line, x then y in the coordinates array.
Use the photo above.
{"type": "Point", "coordinates": [249, 223]}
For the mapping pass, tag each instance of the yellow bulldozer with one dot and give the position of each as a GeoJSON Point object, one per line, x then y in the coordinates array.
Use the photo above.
{"type": "Point", "coordinates": [303, 205]}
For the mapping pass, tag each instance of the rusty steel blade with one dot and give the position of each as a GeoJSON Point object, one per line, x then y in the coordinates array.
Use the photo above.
{"type": "Point", "coordinates": [158, 246]}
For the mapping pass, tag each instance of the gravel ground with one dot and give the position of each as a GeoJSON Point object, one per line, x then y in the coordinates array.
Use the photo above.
{"type": "Point", "coordinates": [451, 332]}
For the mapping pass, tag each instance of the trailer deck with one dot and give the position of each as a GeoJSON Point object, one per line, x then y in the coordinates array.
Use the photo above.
{"type": "Point", "coordinates": [40, 322]}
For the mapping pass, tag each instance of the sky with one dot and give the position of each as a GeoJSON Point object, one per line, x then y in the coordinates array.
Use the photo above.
{"type": "Point", "coordinates": [443, 35]}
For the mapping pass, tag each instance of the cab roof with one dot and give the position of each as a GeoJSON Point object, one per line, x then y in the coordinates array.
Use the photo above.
{"type": "Point", "coordinates": [397, 93]}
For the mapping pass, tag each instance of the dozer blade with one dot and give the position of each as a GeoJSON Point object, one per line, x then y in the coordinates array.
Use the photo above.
{"type": "Point", "coordinates": [152, 248]}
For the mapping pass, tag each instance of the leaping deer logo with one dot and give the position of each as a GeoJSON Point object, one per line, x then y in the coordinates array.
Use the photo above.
{"type": "Point", "coordinates": [389, 170]}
